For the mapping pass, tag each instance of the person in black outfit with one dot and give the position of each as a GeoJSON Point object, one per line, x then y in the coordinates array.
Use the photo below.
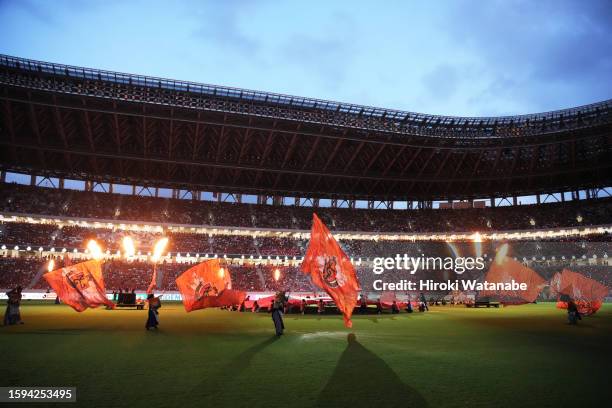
{"type": "Point", "coordinates": [394, 308]}
{"type": "Point", "coordinates": [573, 315]}
{"type": "Point", "coordinates": [153, 317]}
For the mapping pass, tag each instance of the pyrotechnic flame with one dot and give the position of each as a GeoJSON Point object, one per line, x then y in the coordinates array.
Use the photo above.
{"type": "Point", "coordinates": [501, 254]}
{"type": "Point", "coordinates": [51, 265]}
{"type": "Point", "coordinates": [94, 249]}
{"type": "Point", "coordinates": [221, 273]}
{"type": "Point", "coordinates": [128, 247]}
{"type": "Point", "coordinates": [276, 274]}
{"type": "Point", "coordinates": [477, 238]}
{"type": "Point", "coordinates": [158, 251]}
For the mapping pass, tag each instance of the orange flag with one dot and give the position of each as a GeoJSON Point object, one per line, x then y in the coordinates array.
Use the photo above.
{"type": "Point", "coordinates": [80, 286]}
{"type": "Point", "coordinates": [229, 297]}
{"type": "Point", "coordinates": [505, 269]}
{"type": "Point", "coordinates": [587, 293]}
{"type": "Point", "coordinates": [203, 285]}
{"type": "Point", "coordinates": [330, 269]}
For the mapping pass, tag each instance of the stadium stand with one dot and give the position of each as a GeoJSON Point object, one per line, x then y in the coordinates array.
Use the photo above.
{"type": "Point", "coordinates": [78, 204]}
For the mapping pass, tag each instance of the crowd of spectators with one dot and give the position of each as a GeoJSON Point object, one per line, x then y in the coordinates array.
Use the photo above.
{"type": "Point", "coordinates": [126, 275]}
{"type": "Point", "coordinates": [13, 233]}
{"type": "Point", "coordinates": [19, 271]}
{"type": "Point", "coordinates": [26, 270]}
{"type": "Point", "coordinates": [48, 201]}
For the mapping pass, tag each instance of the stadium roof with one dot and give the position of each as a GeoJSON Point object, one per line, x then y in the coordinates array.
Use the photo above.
{"type": "Point", "coordinates": [75, 122]}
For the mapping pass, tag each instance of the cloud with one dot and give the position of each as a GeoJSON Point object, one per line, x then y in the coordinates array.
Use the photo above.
{"type": "Point", "coordinates": [442, 81]}
{"type": "Point", "coordinates": [325, 60]}
{"type": "Point", "coordinates": [222, 24]}
{"type": "Point", "coordinates": [537, 55]}
{"type": "Point", "coordinates": [34, 9]}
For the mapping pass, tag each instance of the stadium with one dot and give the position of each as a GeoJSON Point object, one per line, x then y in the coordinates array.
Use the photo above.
{"type": "Point", "coordinates": [101, 166]}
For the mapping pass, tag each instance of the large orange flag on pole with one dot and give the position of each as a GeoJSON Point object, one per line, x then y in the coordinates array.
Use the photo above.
{"type": "Point", "coordinates": [505, 270]}
{"type": "Point", "coordinates": [330, 269]}
{"type": "Point", "coordinates": [80, 286]}
{"type": "Point", "coordinates": [207, 284]}
{"type": "Point", "coordinates": [587, 293]}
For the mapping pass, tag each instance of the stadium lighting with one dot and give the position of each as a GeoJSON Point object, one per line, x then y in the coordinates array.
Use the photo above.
{"type": "Point", "coordinates": [128, 246]}
{"type": "Point", "coordinates": [40, 249]}
{"type": "Point", "coordinates": [3, 247]}
{"type": "Point", "coordinates": [29, 248]}
{"type": "Point", "coordinates": [16, 248]}
{"type": "Point", "coordinates": [94, 249]}
{"type": "Point", "coordinates": [160, 246]}
{"type": "Point", "coordinates": [63, 250]}
{"type": "Point", "coordinates": [52, 249]}
{"type": "Point", "coordinates": [51, 265]}
{"type": "Point", "coordinates": [579, 218]}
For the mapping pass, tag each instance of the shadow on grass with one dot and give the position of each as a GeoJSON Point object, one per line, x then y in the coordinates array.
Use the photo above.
{"type": "Point", "coordinates": [60, 332]}
{"type": "Point", "coordinates": [215, 387]}
{"type": "Point", "coordinates": [362, 379]}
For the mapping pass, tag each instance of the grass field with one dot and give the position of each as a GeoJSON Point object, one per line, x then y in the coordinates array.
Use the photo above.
{"type": "Point", "coordinates": [449, 357]}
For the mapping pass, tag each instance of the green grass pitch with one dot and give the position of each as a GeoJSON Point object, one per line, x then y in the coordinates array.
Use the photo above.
{"type": "Point", "coordinates": [518, 356]}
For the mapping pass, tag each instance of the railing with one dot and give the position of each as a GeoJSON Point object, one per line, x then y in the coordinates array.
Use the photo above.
{"type": "Point", "coordinates": [336, 113]}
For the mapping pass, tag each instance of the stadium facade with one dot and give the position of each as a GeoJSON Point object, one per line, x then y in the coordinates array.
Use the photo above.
{"type": "Point", "coordinates": [99, 126]}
